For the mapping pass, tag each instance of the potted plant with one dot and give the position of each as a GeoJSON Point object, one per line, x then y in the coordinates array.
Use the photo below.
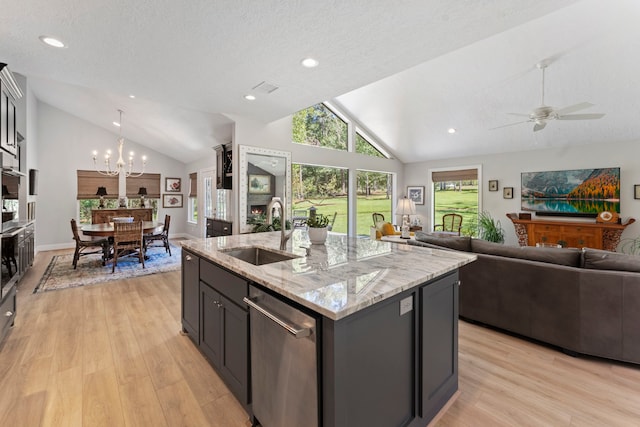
{"type": "Point", "coordinates": [318, 225]}
{"type": "Point", "coordinates": [489, 229]}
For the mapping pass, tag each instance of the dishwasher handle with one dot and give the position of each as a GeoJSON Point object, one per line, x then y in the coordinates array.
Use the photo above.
{"type": "Point", "coordinates": [292, 329]}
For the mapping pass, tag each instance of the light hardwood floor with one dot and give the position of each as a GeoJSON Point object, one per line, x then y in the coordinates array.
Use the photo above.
{"type": "Point", "coordinates": [112, 355]}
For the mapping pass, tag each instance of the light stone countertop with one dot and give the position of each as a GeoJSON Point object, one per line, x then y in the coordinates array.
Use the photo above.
{"type": "Point", "coordinates": [340, 277]}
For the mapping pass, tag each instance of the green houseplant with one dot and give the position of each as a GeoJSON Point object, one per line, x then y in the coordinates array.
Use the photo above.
{"type": "Point", "coordinates": [490, 229]}
{"type": "Point", "coordinates": [318, 226]}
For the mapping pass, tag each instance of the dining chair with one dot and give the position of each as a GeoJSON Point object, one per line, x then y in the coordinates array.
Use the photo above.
{"type": "Point", "coordinates": [83, 243]}
{"type": "Point", "coordinates": [127, 240]}
{"type": "Point", "coordinates": [331, 221]}
{"type": "Point", "coordinates": [299, 218]}
{"type": "Point", "coordinates": [377, 217]}
{"type": "Point", "coordinates": [162, 236]}
{"type": "Point", "coordinates": [451, 223]}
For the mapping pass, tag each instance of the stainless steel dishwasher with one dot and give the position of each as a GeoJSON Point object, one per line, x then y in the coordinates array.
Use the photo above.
{"type": "Point", "coordinates": [284, 373]}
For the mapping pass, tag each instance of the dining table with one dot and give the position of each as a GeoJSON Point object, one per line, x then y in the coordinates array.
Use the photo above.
{"type": "Point", "coordinates": [106, 229]}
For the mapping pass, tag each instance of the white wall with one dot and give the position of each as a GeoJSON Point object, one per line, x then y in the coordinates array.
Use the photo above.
{"type": "Point", "coordinates": [506, 168]}
{"type": "Point", "coordinates": [64, 145]}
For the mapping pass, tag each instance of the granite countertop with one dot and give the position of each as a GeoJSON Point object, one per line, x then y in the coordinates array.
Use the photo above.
{"type": "Point", "coordinates": [338, 278]}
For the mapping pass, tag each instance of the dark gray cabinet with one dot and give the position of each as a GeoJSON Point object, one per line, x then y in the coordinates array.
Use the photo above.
{"type": "Point", "coordinates": [217, 320]}
{"type": "Point", "coordinates": [191, 295]}
{"type": "Point", "coordinates": [218, 227]}
{"type": "Point", "coordinates": [394, 363]}
{"type": "Point", "coordinates": [438, 344]}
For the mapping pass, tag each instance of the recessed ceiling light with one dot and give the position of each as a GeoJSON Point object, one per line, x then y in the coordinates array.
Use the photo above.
{"type": "Point", "coordinates": [309, 62]}
{"type": "Point", "coordinates": [451, 130]}
{"type": "Point", "coordinates": [132, 96]}
{"type": "Point", "coordinates": [51, 41]}
{"type": "Point", "coordinates": [250, 97]}
{"type": "Point", "coordinates": [116, 124]}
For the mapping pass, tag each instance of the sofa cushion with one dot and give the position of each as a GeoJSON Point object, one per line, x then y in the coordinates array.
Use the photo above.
{"type": "Point", "coordinates": [561, 256]}
{"type": "Point", "coordinates": [458, 243]}
{"type": "Point", "coordinates": [605, 260]}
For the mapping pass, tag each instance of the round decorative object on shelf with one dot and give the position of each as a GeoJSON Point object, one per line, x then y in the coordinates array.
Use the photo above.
{"type": "Point", "coordinates": [606, 216]}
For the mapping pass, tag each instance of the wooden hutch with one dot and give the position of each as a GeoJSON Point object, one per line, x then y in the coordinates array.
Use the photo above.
{"type": "Point", "coordinates": [572, 234]}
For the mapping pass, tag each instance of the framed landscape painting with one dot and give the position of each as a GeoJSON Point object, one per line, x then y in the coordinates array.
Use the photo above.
{"type": "Point", "coordinates": [259, 184]}
{"type": "Point", "coordinates": [416, 194]}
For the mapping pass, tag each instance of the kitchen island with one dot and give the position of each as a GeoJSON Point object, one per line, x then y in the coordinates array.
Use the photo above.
{"type": "Point", "coordinates": [384, 336]}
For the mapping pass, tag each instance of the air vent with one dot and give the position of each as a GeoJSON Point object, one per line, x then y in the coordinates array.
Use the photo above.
{"type": "Point", "coordinates": [265, 87]}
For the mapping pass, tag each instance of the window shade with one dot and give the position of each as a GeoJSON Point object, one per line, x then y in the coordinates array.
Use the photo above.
{"type": "Point", "coordinates": [454, 175]}
{"type": "Point", "coordinates": [193, 184]}
{"type": "Point", "coordinates": [151, 181]}
{"type": "Point", "coordinates": [89, 181]}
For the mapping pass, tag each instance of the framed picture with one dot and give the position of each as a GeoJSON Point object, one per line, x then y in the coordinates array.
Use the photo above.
{"type": "Point", "coordinates": [172, 185]}
{"type": "Point", "coordinates": [259, 184]}
{"type": "Point", "coordinates": [416, 194]}
{"type": "Point", "coordinates": [636, 191]}
{"type": "Point", "coordinates": [493, 185]}
{"type": "Point", "coordinates": [172, 200]}
{"type": "Point", "coordinates": [507, 192]}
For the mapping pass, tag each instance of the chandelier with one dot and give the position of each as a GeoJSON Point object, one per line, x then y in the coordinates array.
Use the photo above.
{"type": "Point", "coordinates": [120, 164]}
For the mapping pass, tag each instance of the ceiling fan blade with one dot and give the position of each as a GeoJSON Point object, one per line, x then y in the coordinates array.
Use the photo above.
{"type": "Point", "coordinates": [510, 124]}
{"type": "Point", "coordinates": [539, 126]}
{"type": "Point", "coordinates": [518, 114]}
{"type": "Point", "coordinates": [572, 108]}
{"type": "Point", "coordinates": [581, 117]}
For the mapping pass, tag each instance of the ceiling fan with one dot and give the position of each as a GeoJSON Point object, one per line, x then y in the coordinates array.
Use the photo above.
{"type": "Point", "coordinates": [541, 115]}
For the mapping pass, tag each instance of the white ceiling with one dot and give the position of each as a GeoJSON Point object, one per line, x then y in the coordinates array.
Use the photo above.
{"type": "Point", "coordinates": [407, 71]}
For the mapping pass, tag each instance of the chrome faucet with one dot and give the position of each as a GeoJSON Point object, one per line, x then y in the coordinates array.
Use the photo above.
{"type": "Point", "coordinates": [283, 221]}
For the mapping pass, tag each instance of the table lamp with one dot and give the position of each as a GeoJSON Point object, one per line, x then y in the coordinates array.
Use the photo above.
{"type": "Point", "coordinates": [405, 208]}
{"type": "Point", "coordinates": [102, 191]}
{"type": "Point", "coordinates": [142, 191]}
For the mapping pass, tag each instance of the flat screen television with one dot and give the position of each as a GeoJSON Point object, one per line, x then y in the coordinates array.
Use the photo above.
{"type": "Point", "coordinates": [578, 192]}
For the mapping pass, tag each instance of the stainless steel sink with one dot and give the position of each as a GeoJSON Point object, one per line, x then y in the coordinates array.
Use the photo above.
{"type": "Point", "coordinates": [258, 256]}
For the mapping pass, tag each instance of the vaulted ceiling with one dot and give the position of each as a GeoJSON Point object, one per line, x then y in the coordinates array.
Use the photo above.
{"type": "Point", "coordinates": [407, 71]}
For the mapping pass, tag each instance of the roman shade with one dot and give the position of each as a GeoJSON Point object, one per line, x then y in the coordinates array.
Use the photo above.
{"type": "Point", "coordinates": [454, 175]}
{"type": "Point", "coordinates": [151, 181]}
{"type": "Point", "coordinates": [193, 184]}
{"type": "Point", "coordinates": [89, 181]}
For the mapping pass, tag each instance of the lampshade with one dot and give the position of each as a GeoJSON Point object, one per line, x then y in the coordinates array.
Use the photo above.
{"type": "Point", "coordinates": [405, 207]}
{"type": "Point", "coordinates": [142, 191]}
{"type": "Point", "coordinates": [102, 191]}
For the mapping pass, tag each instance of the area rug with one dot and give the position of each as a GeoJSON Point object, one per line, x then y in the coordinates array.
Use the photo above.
{"type": "Point", "coordinates": [90, 271]}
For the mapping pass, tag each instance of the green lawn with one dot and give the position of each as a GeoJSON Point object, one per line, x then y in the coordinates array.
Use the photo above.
{"type": "Point", "coordinates": [365, 206]}
{"type": "Point", "coordinates": [463, 202]}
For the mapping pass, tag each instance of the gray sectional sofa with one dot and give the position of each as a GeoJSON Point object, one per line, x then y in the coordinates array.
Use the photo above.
{"type": "Point", "coordinates": [583, 301]}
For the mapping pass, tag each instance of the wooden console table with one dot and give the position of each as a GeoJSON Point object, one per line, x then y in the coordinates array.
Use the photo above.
{"type": "Point", "coordinates": [571, 234]}
{"type": "Point", "coordinates": [99, 216]}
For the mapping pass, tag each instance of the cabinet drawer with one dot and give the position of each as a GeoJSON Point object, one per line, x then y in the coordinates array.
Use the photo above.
{"type": "Point", "coordinates": [228, 284]}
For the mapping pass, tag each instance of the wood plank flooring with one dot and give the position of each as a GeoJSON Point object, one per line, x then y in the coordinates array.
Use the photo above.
{"type": "Point", "coordinates": [112, 355]}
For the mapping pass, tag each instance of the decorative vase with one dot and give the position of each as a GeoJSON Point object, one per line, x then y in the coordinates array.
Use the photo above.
{"type": "Point", "coordinates": [317, 236]}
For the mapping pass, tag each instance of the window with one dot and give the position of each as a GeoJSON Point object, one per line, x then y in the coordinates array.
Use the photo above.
{"type": "Point", "coordinates": [363, 146]}
{"type": "Point", "coordinates": [193, 198]}
{"type": "Point", "coordinates": [88, 183]}
{"type": "Point", "coordinates": [456, 191]}
{"type": "Point", "coordinates": [148, 181]}
{"type": "Point", "coordinates": [374, 195]}
{"type": "Point", "coordinates": [319, 126]}
{"type": "Point", "coordinates": [324, 188]}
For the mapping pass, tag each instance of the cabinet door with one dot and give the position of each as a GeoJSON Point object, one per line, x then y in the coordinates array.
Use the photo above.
{"type": "Point", "coordinates": [439, 343]}
{"type": "Point", "coordinates": [234, 364]}
{"type": "Point", "coordinates": [211, 324]}
{"type": "Point", "coordinates": [12, 140]}
{"type": "Point", "coordinates": [191, 295]}
{"type": "Point", "coordinates": [580, 237]}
